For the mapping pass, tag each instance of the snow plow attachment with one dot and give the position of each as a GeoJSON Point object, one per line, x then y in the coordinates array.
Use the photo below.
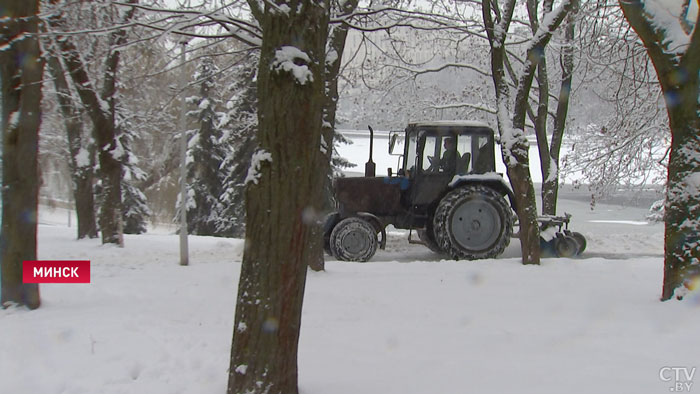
{"type": "Point", "coordinates": [558, 242]}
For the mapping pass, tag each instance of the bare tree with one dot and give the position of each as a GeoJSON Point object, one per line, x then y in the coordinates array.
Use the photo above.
{"type": "Point", "coordinates": [549, 150]}
{"type": "Point", "coordinates": [673, 45]}
{"type": "Point", "coordinates": [101, 108]}
{"type": "Point", "coordinates": [620, 138]}
{"type": "Point", "coordinates": [21, 73]}
{"type": "Point", "coordinates": [511, 122]}
{"type": "Point", "coordinates": [81, 157]}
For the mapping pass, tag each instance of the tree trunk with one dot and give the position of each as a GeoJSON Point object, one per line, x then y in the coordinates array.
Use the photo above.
{"type": "Point", "coordinates": [682, 211]}
{"type": "Point", "coordinates": [542, 112]}
{"type": "Point", "coordinates": [550, 179]}
{"type": "Point", "coordinates": [336, 46]}
{"type": "Point", "coordinates": [548, 205]}
{"type": "Point", "coordinates": [21, 73]}
{"type": "Point", "coordinates": [81, 170]}
{"type": "Point", "coordinates": [682, 217]}
{"type": "Point", "coordinates": [514, 145]}
{"type": "Point", "coordinates": [280, 196]}
{"type": "Point", "coordinates": [678, 76]}
{"type": "Point", "coordinates": [101, 109]}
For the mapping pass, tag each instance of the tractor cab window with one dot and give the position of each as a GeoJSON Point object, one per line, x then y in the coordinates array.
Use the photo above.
{"type": "Point", "coordinates": [411, 152]}
{"type": "Point", "coordinates": [440, 154]}
{"type": "Point", "coordinates": [431, 151]}
{"type": "Point", "coordinates": [464, 154]}
{"type": "Point", "coordinates": [474, 154]}
{"type": "Point", "coordinates": [482, 155]}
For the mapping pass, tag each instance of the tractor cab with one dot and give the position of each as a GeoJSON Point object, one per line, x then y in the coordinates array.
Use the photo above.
{"type": "Point", "coordinates": [435, 152]}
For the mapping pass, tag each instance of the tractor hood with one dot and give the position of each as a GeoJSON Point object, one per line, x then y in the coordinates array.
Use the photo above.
{"type": "Point", "coordinates": [380, 196]}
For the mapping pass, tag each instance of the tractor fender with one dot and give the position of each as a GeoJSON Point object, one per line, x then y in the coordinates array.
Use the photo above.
{"type": "Point", "coordinates": [490, 179]}
{"type": "Point", "coordinates": [330, 221]}
{"type": "Point", "coordinates": [377, 224]}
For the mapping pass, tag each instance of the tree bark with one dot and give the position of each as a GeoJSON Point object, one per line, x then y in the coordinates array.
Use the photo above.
{"type": "Point", "coordinates": [679, 81]}
{"type": "Point", "coordinates": [286, 189]}
{"type": "Point", "coordinates": [81, 172]}
{"type": "Point", "coordinates": [21, 73]}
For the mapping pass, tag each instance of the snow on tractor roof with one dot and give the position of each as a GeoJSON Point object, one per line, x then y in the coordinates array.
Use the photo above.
{"type": "Point", "coordinates": [452, 123]}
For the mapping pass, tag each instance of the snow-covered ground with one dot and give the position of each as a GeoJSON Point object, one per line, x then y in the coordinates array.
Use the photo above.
{"type": "Point", "coordinates": [404, 323]}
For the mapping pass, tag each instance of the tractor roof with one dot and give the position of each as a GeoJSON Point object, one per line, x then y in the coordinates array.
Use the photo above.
{"type": "Point", "coordinates": [449, 123]}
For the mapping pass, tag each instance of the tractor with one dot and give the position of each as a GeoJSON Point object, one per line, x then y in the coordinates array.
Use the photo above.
{"type": "Point", "coordinates": [446, 189]}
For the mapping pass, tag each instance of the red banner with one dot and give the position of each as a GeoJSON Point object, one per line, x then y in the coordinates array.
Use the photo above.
{"type": "Point", "coordinates": [56, 271]}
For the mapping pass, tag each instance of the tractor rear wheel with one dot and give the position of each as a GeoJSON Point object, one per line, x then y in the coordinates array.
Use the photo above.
{"type": "Point", "coordinates": [353, 239]}
{"type": "Point", "coordinates": [473, 222]}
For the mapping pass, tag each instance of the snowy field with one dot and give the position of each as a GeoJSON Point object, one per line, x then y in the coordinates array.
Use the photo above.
{"type": "Point", "coordinates": [404, 323]}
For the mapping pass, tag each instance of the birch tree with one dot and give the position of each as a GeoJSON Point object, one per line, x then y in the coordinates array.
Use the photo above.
{"type": "Point", "coordinates": [671, 36]}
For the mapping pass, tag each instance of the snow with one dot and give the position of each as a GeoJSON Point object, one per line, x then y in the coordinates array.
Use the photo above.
{"type": "Point", "coordinates": [282, 9]}
{"type": "Point", "coordinates": [286, 59]}
{"type": "Point", "coordinates": [511, 139]}
{"type": "Point", "coordinates": [631, 222]}
{"type": "Point", "coordinates": [332, 56]}
{"type": "Point", "coordinates": [118, 151]}
{"type": "Point", "coordinates": [406, 322]}
{"type": "Point", "coordinates": [256, 161]}
{"type": "Point", "coordinates": [455, 123]}
{"type": "Point", "coordinates": [82, 159]}
{"type": "Point", "coordinates": [666, 15]}
{"type": "Point", "coordinates": [13, 122]}
{"type": "Point", "coordinates": [547, 24]}
{"type": "Point", "coordinates": [553, 171]}
{"type": "Point", "coordinates": [488, 177]}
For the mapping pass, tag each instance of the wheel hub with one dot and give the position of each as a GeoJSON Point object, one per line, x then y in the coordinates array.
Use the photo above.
{"type": "Point", "coordinates": [476, 225]}
{"type": "Point", "coordinates": [355, 242]}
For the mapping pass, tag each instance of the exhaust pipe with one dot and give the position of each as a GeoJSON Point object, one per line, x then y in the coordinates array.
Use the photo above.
{"type": "Point", "coordinates": [370, 167]}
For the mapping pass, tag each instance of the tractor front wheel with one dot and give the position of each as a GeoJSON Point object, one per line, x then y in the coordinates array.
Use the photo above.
{"type": "Point", "coordinates": [353, 239]}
